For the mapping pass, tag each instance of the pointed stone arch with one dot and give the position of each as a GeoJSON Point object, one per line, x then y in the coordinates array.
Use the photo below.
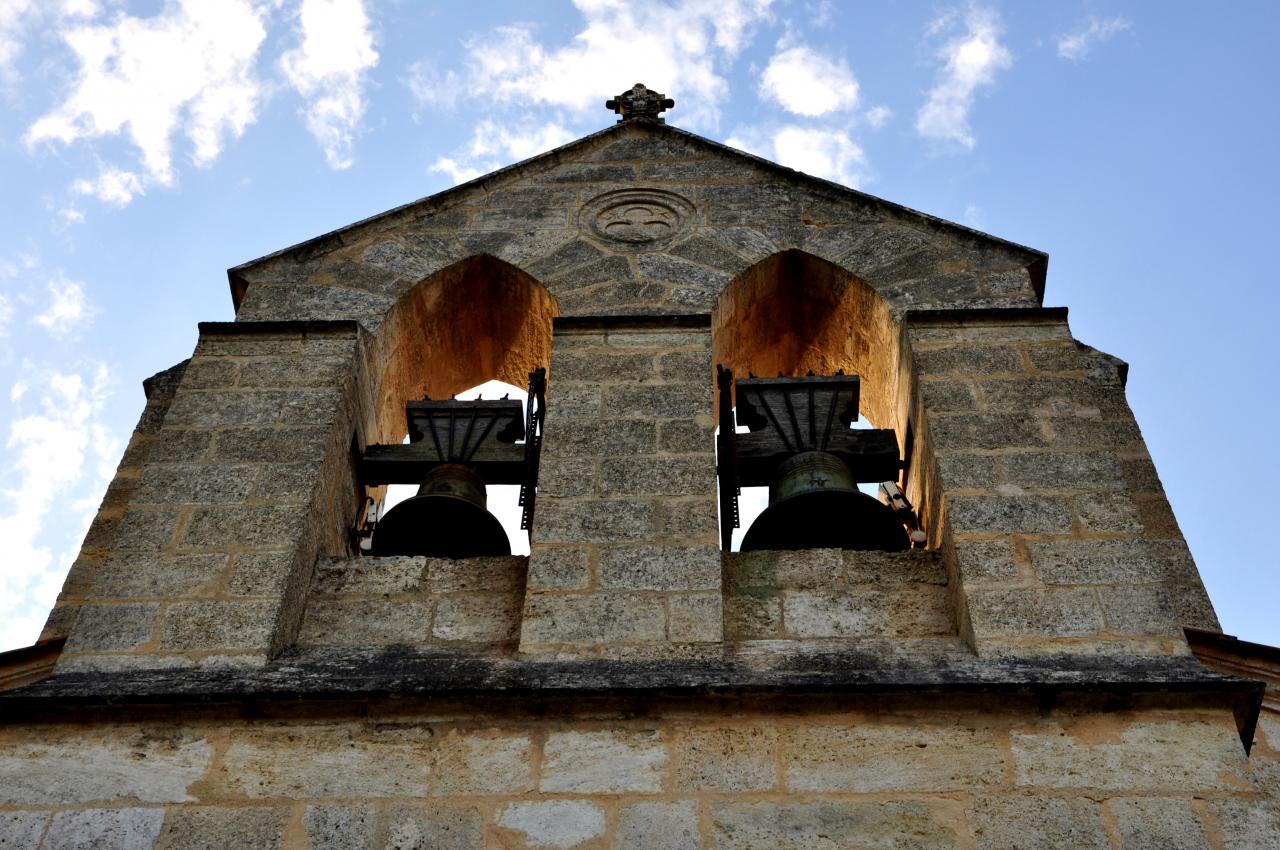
{"type": "Point", "coordinates": [476, 320]}
{"type": "Point", "coordinates": [793, 312]}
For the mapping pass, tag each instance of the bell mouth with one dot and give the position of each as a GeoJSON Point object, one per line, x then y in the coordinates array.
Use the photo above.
{"type": "Point", "coordinates": [447, 519]}
{"type": "Point", "coordinates": [816, 504]}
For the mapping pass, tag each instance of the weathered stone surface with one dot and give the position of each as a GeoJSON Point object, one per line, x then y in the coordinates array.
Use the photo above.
{"type": "Point", "coordinates": [695, 618]}
{"type": "Point", "coordinates": [263, 525]}
{"type": "Point", "coordinates": [1025, 514]}
{"type": "Point", "coordinates": [462, 575]}
{"type": "Point", "coordinates": [1111, 561]}
{"type": "Point", "coordinates": [969, 360]}
{"type": "Point", "coordinates": [369, 575]}
{"type": "Point", "coordinates": [1062, 470]}
{"type": "Point", "coordinates": [104, 829]}
{"type": "Point", "coordinates": [132, 766]}
{"type": "Point", "coordinates": [483, 764]}
{"type": "Point", "coordinates": [957, 431]}
{"type": "Point", "coordinates": [596, 521]}
{"type": "Point", "coordinates": [322, 763]}
{"type": "Point", "coordinates": [732, 759]}
{"type": "Point", "coordinates": [829, 825]}
{"type": "Point", "coordinates": [261, 573]}
{"type": "Point", "coordinates": [986, 560]}
{"type": "Point", "coordinates": [657, 476]}
{"type": "Point", "coordinates": [581, 439]}
{"type": "Point", "coordinates": [217, 625]}
{"type": "Point", "coordinates": [559, 569]}
{"type": "Point", "coordinates": [478, 618]}
{"type": "Point", "coordinates": [20, 830]}
{"type": "Point", "coordinates": [339, 827]}
{"type": "Point", "coordinates": [603, 762]}
{"type": "Point", "coordinates": [1158, 823]}
{"type": "Point", "coordinates": [659, 826]}
{"type": "Point", "coordinates": [660, 401]}
{"type": "Point", "coordinates": [365, 622]}
{"type": "Point", "coordinates": [1158, 609]}
{"type": "Point", "coordinates": [656, 567]}
{"type": "Point", "coordinates": [1145, 756]}
{"type": "Point", "coordinates": [1030, 823]}
{"type": "Point", "coordinates": [113, 627]}
{"type": "Point", "coordinates": [593, 618]}
{"type": "Point", "coordinates": [891, 757]}
{"type": "Point", "coordinates": [554, 823]}
{"type": "Point", "coordinates": [1054, 612]}
{"type": "Point", "coordinates": [433, 828]}
{"type": "Point", "coordinates": [140, 575]}
{"type": "Point", "coordinates": [211, 828]}
{"type": "Point", "coordinates": [1248, 825]}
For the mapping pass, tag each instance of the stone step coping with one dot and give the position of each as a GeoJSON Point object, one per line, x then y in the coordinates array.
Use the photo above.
{"type": "Point", "coordinates": [343, 674]}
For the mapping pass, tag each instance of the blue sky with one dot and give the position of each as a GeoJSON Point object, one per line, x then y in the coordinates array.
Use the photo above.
{"type": "Point", "coordinates": [146, 147]}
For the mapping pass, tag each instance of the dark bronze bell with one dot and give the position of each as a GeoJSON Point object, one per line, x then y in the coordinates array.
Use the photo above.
{"type": "Point", "coordinates": [815, 503]}
{"type": "Point", "coordinates": [448, 518]}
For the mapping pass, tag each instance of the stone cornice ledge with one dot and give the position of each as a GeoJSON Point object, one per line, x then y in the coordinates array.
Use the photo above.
{"type": "Point", "coordinates": [341, 674]}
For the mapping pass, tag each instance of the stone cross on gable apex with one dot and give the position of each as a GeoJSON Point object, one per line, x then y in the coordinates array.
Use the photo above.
{"type": "Point", "coordinates": [640, 102]}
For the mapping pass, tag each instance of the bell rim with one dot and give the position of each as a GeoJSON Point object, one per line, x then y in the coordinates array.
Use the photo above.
{"type": "Point", "coordinates": [482, 514]}
{"type": "Point", "coordinates": [864, 502]}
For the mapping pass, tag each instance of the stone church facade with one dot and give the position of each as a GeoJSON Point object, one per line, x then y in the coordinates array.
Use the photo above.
{"type": "Point", "coordinates": [237, 673]}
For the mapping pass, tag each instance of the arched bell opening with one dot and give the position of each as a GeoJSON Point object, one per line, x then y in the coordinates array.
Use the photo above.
{"type": "Point", "coordinates": [808, 355]}
{"type": "Point", "coordinates": [437, 422]}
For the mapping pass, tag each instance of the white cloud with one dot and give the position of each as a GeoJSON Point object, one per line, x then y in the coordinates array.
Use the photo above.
{"type": "Point", "coordinates": [54, 435]}
{"type": "Point", "coordinates": [6, 315]}
{"type": "Point", "coordinates": [878, 116]}
{"type": "Point", "coordinates": [970, 62]}
{"type": "Point", "coordinates": [827, 153]}
{"type": "Point", "coordinates": [805, 82]}
{"type": "Point", "coordinates": [493, 146]}
{"type": "Point", "coordinates": [188, 71]}
{"type": "Point", "coordinates": [330, 70]}
{"type": "Point", "coordinates": [112, 186]}
{"type": "Point", "coordinates": [67, 309]}
{"type": "Point", "coordinates": [1076, 46]}
{"type": "Point", "coordinates": [13, 14]}
{"type": "Point", "coordinates": [679, 47]}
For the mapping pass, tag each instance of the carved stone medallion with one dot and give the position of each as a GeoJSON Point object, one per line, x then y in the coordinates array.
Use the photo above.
{"type": "Point", "coordinates": [636, 219]}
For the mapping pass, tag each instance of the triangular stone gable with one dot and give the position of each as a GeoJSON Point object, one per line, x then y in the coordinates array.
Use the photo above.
{"type": "Point", "coordinates": [729, 209]}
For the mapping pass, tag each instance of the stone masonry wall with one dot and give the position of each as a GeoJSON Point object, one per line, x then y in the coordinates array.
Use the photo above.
{"type": "Point", "coordinates": [624, 557]}
{"type": "Point", "coordinates": [1063, 539]}
{"type": "Point", "coordinates": [467, 604]}
{"type": "Point", "coordinates": [239, 487]}
{"type": "Point", "coordinates": [968, 773]}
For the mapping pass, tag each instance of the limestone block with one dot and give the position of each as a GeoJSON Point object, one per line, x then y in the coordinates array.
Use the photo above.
{"type": "Point", "coordinates": [948, 395]}
{"type": "Point", "coordinates": [604, 762]}
{"type": "Point", "coordinates": [753, 613]}
{"type": "Point", "coordinates": [658, 401]}
{"type": "Point", "coordinates": [1111, 561]}
{"type": "Point", "coordinates": [830, 825]}
{"type": "Point", "coordinates": [261, 573]}
{"type": "Point", "coordinates": [659, 826]}
{"type": "Point", "coordinates": [658, 476]}
{"type": "Point", "coordinates": [683, 437]}
{"type": "Point", "coordinates": [593, 618]}
{"type": "Point", "coordinates": [262, 525]}
{"type": "Point", "coordinates": [309, 371]}
{"type": "Point", "coordinates": [558, 569]}
{"type": "Point", "coordinates": [658, 567]}
{"type": "Point", "coordinates": [695, 618]}
{"type": "Point", "coordinates": [112, 627]}
{"type": "Point", "coordinates": [432, 828]}
{"type": "Point", "coordinates": [273, 445]}
{"type": "Point", "coordinates": [328, 762]}
{"type": "Point", "coordinates": [196, 484]}
{"type": "Point", "coordinates": [600, 365]}
{"type": "Point", "coordinates": [132, 574]}
{"type": "Point", "coordinates": [584, 438]}
{"type": "Point", "coordinates": [217, 625]}
{"type": "Point", "coordinates": [1149, 610]}
{"type": "Point", "coordinates": [1032, 823]}
{"type": "Point", "coordinates": [208, 828]}
{"type": "Point", "coordinates": [364, 622]}
{"type": "Point", "coordinates": [337, 827]}
{"type": "Point", "coordinates": [470, 763]}
{"type": "Point", "coordinates": [1248, 824]}
{"type": "Point", "coordinates": [1144, 756]}
{"type": "Point", "coordinates": [915, 566]}
{"type": "Point", "coordinates": [1157, 823]}
{"type": "Point", "coordinates": [967, 471]}
{"type": "Point", "coordinates": [20, 830]}
{"type": "Point", "coordinates": [109, 829]}
{"type": "Point", "coordinates": [1083, 432]}
{"type": "Point", "coordinates": [477, 617]}
{"type": "Point", "coordinates": [554, 823]}
{"type": "Point", "coordinates": [503, 574]}
{"type": "Point", "coordinates": [960, 431]}
{"type": "Point", "coordinates": [1018, 514]}
{"type": "Point", "coordinates": [981, 561]}
{"type": "Point", "coordinates": [729, 759]}
{"type": "Point", "coordinates": [369, 576]}
{"type": "Point", "coordinates": [595, 521]}
{"type": "Point", "coordinates": [969, 360]}
{"type": "Point", "coordinates": [1052, 612]}
{"type": "Point", "coordinates": [1062, 470]}
{"type": "Point", "coordinates": [891, 757]}
{"type": "Point", "coordinates": [145, 529]}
